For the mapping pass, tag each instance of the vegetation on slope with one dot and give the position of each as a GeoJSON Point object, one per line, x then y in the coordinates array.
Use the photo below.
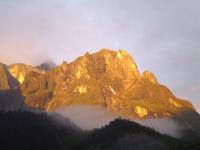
{"type": "Point", "coordinates": [35, 131]}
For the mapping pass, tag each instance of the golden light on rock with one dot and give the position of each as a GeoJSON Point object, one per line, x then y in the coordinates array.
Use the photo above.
{"type": "Point", "coordinates": [112, 90]}
{"type": "Point", "coordinates": [168, 114]}
{"type": "Point", "coordinates": [19, 71]}
{"type": "Point", "coordinates": [78, 72]}
{"type": "Point", "coordinates": [49, 106]}
{"type": "Point", "coordinates": [15, 72]}
{"type": "Point", "coordinates": [21, 78]}
{"type": "Point", "coordinates": [109, 78]}
{"type": "Point", "coordinates": [119, 55]}
{"type": "Point", "coordinates": [141, 111]}
{"type": "Point", "coordinates": [149, 76]}
{"type": "Point", "coordinates": [133, 66]}
{"type": "Point", "coordinates": [173, 102]}
{"type": "Point", "coordinates": [82, 89]}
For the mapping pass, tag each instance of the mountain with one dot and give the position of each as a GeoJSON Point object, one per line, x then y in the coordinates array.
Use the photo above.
{"type": "Point", "coordinates": [108, 78]}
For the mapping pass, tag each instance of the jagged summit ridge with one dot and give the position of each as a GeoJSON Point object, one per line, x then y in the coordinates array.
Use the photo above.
{"type": "Point", "coordinates": [19, 71]}
{"type": "Point", "coordinates": [108, 78]}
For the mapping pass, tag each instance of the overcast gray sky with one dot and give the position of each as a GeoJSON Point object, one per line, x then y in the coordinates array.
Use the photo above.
{"type": "Point", "coordinates": [163, 36]}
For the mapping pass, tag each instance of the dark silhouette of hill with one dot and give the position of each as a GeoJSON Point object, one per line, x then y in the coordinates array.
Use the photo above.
{"type": "Point", "coordinates": [127, 134]}
{"type": "Point", "coordinates": [32, 131]}
{"type": "Point", "coordinates": [24, 130]}
{"type": "Point", "coordinates": [11, 99]}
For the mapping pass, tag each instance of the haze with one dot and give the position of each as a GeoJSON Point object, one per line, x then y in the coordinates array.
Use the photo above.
{"type": "Point", "coordinates": [90, 117]}
{"type": "Point", "coordinates": [162, 36]}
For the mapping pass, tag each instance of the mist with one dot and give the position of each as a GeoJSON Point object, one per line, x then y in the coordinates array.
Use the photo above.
{"type": "Point", "coordinates": [86, 116]}
{"type": "Point", "coordinates": [162, 125]}
{"type": "Point", "coordinates": [89, 117]}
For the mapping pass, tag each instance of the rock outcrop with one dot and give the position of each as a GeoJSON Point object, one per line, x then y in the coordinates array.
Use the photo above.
{"type": "Point", "coordinates": [10, 93]}
{"type": "Point", "coordinates": [6, 79]}
{"type": "Point", "coordinates": [19, 71]}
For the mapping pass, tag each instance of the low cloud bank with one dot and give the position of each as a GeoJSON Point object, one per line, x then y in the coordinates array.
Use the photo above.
{"type": "Point", "coordinates": [89, 117]}
{"type": "Point", "coordinates": [86, 116]}
{"type": "Point", "coordinates": [162, 125]}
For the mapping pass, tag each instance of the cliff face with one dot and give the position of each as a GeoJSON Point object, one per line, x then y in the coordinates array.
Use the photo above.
{"type": "Point", "coordinates": [6, 79]}
{"type": "Point", "coordinates": [107, 78]}
{"type": "Point", "coordinates": [19, 71]}
{"type": "Point", "coordinates": [10, 94]}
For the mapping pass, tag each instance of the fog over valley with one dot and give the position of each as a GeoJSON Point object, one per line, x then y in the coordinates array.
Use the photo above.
{"type": "Point", "coordinates": [90, 117]}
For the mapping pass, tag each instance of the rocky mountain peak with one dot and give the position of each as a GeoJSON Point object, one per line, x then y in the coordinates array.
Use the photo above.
{"type": "Point", "coordinates": [119, 64]}
{"type": "Point", "coordinates": [147, 75]}
{"type": "Point", "coordinates": [108, 78]}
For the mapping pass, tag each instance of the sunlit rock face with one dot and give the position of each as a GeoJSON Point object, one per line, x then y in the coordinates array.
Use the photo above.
{"type": "Point", "coordinates": [149, 76]}
{"type": "Point", "coordinates": [174, 102]}
{"type": "Point", "coordinates": [19, 71]}
{"type": "Point", "coordinates": [82, 89]}
{"type": "Point", "coordinates": [10, 93]}
{"type": "Point", "coordinates": [141, 112]}
{"type": "Point", "coordinates": [107, 78]}
{"type": "Point", "coordinates": [6, 80]}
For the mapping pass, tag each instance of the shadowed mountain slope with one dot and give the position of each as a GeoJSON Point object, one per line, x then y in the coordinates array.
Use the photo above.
{"type": "Point", "coordinates": [28, 130]}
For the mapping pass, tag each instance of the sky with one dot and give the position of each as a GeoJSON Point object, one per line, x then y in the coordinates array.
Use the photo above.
{"type": "Point", "coordinates": [162, 36]}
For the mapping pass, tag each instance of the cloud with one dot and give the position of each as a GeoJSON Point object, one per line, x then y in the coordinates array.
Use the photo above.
{"type": "Point", "coordinates": [86, 116]}
{"type": "Point", "coordinates": [90, 117]}
{"type": "Point", "coordinates": [163, 125]}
